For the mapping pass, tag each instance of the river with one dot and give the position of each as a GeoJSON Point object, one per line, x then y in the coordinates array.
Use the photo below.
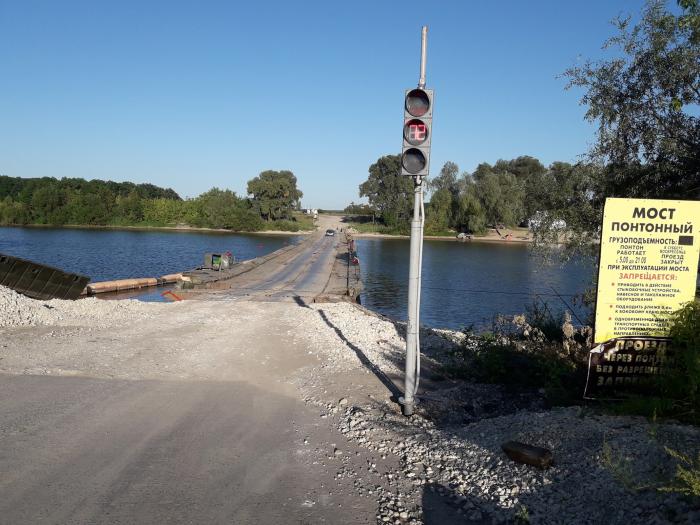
{"type": "Point", "coordinates": [468, 284]}
{"type": "Point", "coordinates": [464, 284]}
{"type": "Point", "coordinates": [105, 254]}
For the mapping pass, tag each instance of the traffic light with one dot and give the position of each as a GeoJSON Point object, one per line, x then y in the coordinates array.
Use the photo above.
{"type": "Point", "coordinates": [417, 126]}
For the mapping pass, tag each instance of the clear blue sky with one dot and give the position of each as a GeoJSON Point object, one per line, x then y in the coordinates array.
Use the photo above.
{"type": "Point", "coordinates": [191, 95]}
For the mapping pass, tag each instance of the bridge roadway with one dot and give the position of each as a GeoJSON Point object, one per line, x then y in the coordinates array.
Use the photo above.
{"type": "Point", "coordinates": [301, 273]}
{"type": "Point", "coordinates": [304, 275]}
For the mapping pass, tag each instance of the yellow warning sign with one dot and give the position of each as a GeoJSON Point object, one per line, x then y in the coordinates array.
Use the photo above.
{"type": "Point", "coordinates": [648, 265]}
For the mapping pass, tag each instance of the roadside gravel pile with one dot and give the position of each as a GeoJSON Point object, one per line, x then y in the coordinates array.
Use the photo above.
{"type": "Point", "coordinates": [19, 310]}
{"type": "Point", "coordinates": [607, 469]}
{"type": "Point", "coordinates": [369, 336]}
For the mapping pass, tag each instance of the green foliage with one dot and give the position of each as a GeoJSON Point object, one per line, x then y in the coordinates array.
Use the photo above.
{"type": "Point", "coordinates": [358, 209]}
{"type": "Point", "coordinates": [274, 194]}
{"type": "Point", "coordinates": [80, 202]}
{"type": "Point", "coordinates": [389, 193]}
{"type": "Point", "coordinates": [75, 201]}
{"type": "Point", "coordinates": [12, 212]}
{"type": "Point", "coordinates": [369, 227]}
{"type": "Point", "coordinates": [507, 193]}
{"type": "Point", "coordinates": [522, 515]}
{"type": "Point", "coordinates": [470, 215]}
{"type": "Point", "coordinates": [682, 384]}
{"type": "Point", "coordinates": [687, 478]}
{"type": "Point", "coordinates": [446, 180]}
{"type": "Point", "coordinates": [525, 367]}
{"type": "Point", "coordinates": [539, 316]}
{"type": "Point", "coordinates": [619, 467]}
{"type": "Point", "coordinates": [439, 211]}
{"type": "Point", "coordinates": [645, 103]}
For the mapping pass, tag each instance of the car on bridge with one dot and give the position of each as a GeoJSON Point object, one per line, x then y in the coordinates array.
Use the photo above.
{"type": "Point", "coordinates": [330, 233]}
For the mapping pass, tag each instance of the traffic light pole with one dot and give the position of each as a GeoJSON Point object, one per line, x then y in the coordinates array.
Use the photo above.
{"type": "Point", "coordinates": [412, 375]}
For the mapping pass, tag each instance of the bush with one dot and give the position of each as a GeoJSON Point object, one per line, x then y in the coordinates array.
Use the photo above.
{"type": "Point", "coordinates": [521, 366]}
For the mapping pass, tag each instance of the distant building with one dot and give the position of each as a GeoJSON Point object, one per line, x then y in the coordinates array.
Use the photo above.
{"type": "Point", "coordinates": [536, 221]}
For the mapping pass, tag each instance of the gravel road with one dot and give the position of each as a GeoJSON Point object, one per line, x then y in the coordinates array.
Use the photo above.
{"type": "Point", "coordinates": [281, 412]}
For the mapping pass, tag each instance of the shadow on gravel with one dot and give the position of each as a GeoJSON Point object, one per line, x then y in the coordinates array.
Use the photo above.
{"type": "Point", "coordinates": [440, 507]}
{"type": "Point", "coordinates": [386, 381]}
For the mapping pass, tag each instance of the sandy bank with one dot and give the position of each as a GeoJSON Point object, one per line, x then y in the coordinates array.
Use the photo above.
{"type": "Point", "coordinates": [161, 228]}
{"type": "Point", "coordinates": [517, 238]}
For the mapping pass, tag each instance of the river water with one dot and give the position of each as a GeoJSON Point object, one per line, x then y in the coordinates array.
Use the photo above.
{"type": "Point", "coordinates": [105, 255]}
{"type": "Point", "coordinates": [463, 283]}
{"type": "Point", "coordinates": [468, 284]}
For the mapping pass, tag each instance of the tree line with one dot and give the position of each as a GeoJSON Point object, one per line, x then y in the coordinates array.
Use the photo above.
{"type": "Point", "coordinates": [272, 198]}
{"type": "Point", "coordinates": [508, 193]}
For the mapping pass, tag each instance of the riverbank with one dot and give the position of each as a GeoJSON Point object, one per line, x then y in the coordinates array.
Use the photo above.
{"type": "Point", "coordinates": [179, 228]}
{"type": "Point", "coordinates": [517, 236]}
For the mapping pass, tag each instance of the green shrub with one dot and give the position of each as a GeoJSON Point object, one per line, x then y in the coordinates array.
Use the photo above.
{"type": "Point", "coordinates": [521, 366]}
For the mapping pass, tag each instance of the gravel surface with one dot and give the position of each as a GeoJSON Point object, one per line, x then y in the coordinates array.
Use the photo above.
{"type": "Point", "coordinates": [442, 465]}
{"type": "Point", "coordinates": [19, 310]}
{"type": "Point", "coordinates": [608, 469]}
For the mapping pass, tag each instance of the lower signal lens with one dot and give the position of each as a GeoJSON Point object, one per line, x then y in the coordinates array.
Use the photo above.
{"type": "Point", "coordinates": [413, 160]}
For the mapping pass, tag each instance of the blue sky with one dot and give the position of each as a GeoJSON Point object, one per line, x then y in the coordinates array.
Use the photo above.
{"type": "Point", "coordinates": [191, 95]}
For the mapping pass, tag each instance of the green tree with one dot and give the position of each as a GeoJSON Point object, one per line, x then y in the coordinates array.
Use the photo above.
{"type": "Point", "coordinates": [439, 211]}
{"type": "Point", "coordinates": [529, 173]}
{"type": "Point", "coordinates": [388, 192]}
{"type": "Point", "coordinates": [274, 194]}
{"type": "Point", "coordinates": [129, 208]}
{"type": "Point", "coordinates": [446, 180]}
{"type": "Point", "coordinates": [46, 203]}
{"type": "Point", "coordinates": [570, 200]}
{"type": "Point", "coordinates": [164, 211]}
{"type": "Point", "coordinates": [644, 100]}
{"type": "Point", "coordinates": [501, 196]}
{"type": "Point", "coordinates": [470, 216]}
{"type": "Point", "coordinates": [12, 212]}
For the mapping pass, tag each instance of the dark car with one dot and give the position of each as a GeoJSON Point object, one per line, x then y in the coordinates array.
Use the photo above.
{"type": "Point", "coordinates": [330, 233]}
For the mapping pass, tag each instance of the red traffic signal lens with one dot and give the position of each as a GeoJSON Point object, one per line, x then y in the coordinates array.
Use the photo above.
{"type": "Point", "coordinates": [417, 102]}
{"type": "Point", "coordinates": [413, 161]}
{"type": "Point", "coordinates": [415, 132]}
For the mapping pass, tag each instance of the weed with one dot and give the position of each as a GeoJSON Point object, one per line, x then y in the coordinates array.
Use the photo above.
{"type": "Point", "coordinates": [687, 478]}
{"type": "Point", "coordinates": [522, 515]}
{"type": "Point", "coordinates": [619, 468]}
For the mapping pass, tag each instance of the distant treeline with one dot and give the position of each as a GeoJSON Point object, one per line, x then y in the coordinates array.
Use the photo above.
{"type": "Point", "coordinates": [510, 193]}
{"type": "Point", "coordinates": [273, 197]}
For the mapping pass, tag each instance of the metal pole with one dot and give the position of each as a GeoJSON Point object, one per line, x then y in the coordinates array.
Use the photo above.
{"type": "Point", "coordinates": [423, 55]}
{"type": "Point", "coordinates": [414, 272]}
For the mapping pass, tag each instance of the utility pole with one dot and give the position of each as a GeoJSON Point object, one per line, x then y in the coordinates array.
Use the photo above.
{"type": "Point", "coordinates": [415, 162]}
